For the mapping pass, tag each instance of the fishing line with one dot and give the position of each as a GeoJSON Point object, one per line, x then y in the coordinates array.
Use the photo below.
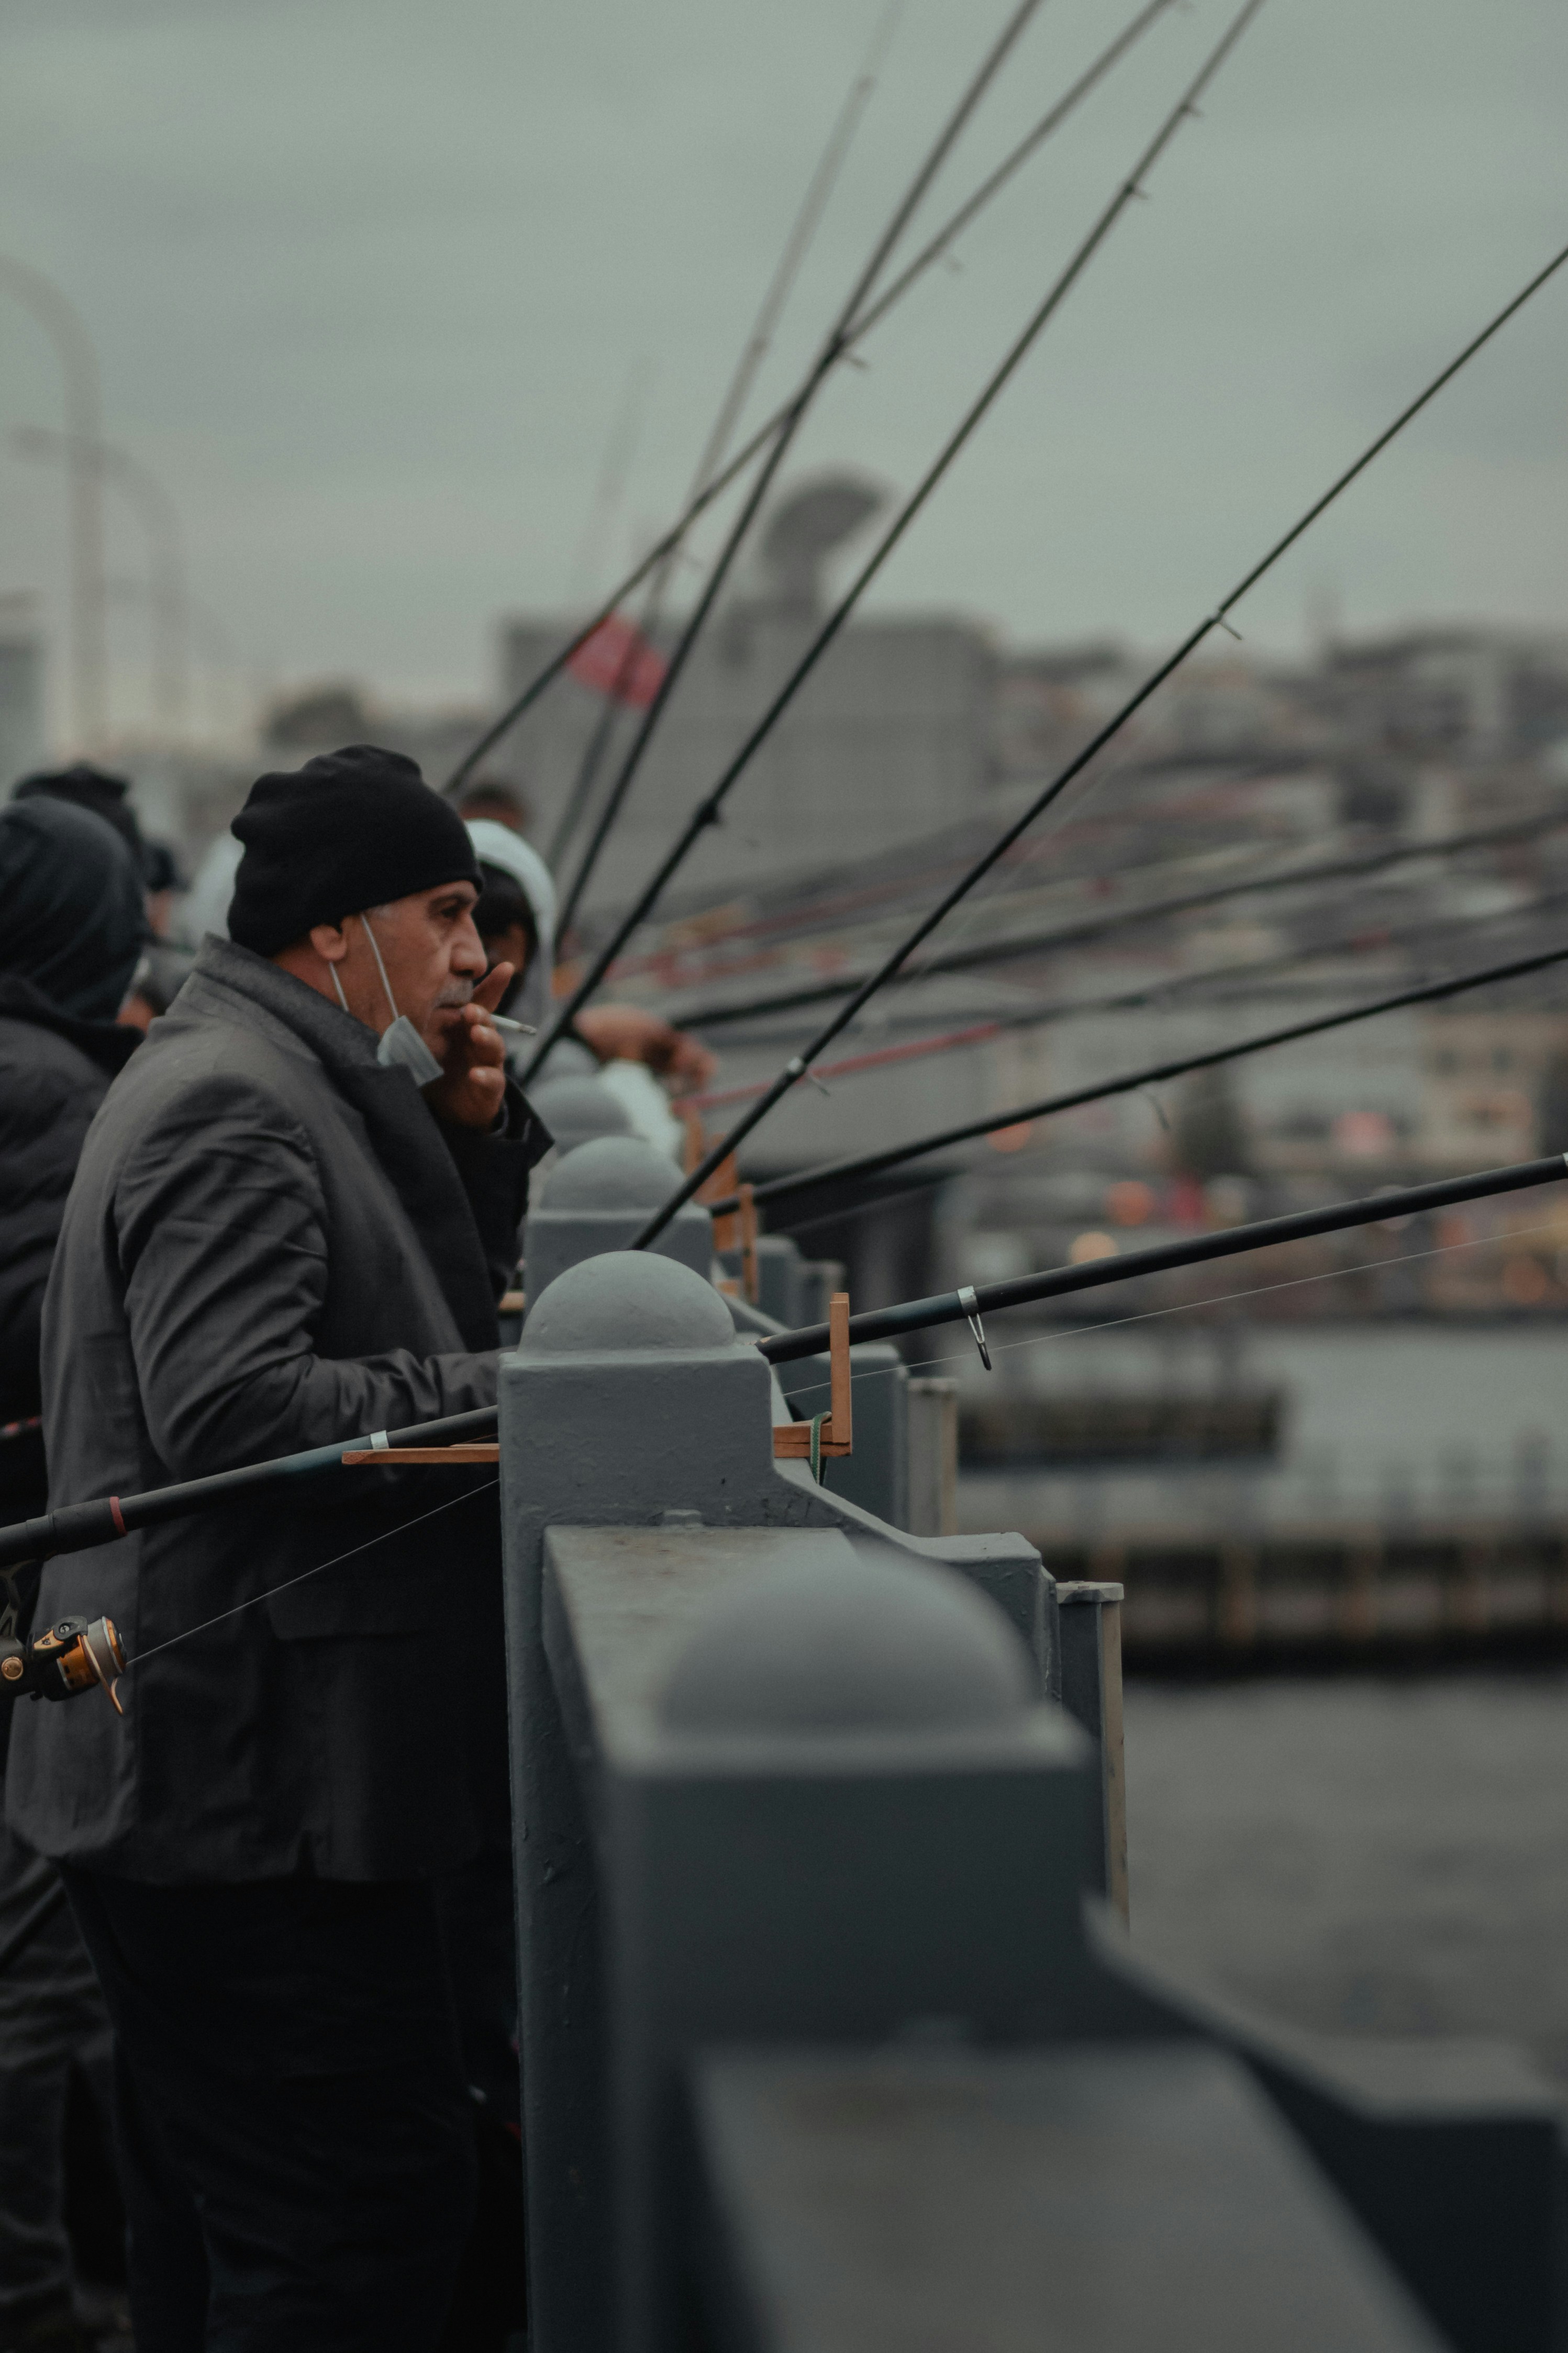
{"type": "Point", "coordinates": [798, 1066]}
{"type": "Point", "coordinates": [793, 1226]}
{"type": "Point", "coordinates": [859, 327]}
{"type": "Point", "coordinates": [719, 572]}
{"type": "Point", "coordinates": [753, 352]}
{"type": "Point", "coordinates": [793, 912]}
{"type": "Point", "coordinates": [1173, 991]}
{"type": "Point", "coordinates": [305, 1574]}
{"type": "Point", "coordinates": [921, 1363]}
{"type": "Point", "coordinates": [1002, 951]}
{"type": "Point", "coordinates": [871, 1164]}
{"type": "Point", "coordinates": [972, 1302]}
{"type": "Point", "coordinates": [707, 811]}
{"type": "Point", "coordinates": [812, 903]}
{"type": "Point", "coordinates": [1189, 1306]}
{"type": "Point", "coordinates": [102, 1520]}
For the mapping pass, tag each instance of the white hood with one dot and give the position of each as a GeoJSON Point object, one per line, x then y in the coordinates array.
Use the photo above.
{"type": "Point", "coordinates": [498, 846]}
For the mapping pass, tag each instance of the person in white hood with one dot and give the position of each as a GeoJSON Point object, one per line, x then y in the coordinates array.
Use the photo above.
{"type": "Point", "coordinates": [516, 916]}
{"type": "Point", "coordinates": [627, 1047]}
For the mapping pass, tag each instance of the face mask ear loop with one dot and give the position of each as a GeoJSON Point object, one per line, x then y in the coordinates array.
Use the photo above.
{"type": "Point", "coordinates": [337, 984]}
{"type": "Point", "coordinates": [378, 966]}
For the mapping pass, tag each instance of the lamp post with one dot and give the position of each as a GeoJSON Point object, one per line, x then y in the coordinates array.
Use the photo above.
{"type": "Point", "coordinates": [231, 694]}
{"type": "Point", "coordinates": [62, 322]}
{"type": "Point", "coordinates": [169, 595]}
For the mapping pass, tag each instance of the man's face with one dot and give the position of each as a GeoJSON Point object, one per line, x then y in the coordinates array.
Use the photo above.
{"type": "Point", "coordinates": [433, 957]}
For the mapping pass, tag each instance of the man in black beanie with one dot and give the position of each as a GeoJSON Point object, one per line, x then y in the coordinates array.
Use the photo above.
{"type": "Point", "coordinates": [291, 1223]}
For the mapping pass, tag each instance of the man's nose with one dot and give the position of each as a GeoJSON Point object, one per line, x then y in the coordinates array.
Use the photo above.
{"type": "Point", "coordinates": [468, 950]}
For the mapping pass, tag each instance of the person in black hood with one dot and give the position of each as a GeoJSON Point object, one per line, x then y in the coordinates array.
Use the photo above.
{"type": "Point", "coordinates": [85, 786]}
{"type": "Point", "coordinates": [292, 1220]}
{"type": "Point", "coordinates": [72, 927]}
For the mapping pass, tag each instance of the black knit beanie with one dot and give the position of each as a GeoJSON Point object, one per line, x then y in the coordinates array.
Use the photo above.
{"type": "Point", "coordinates": [70, 895]}
{"type": "Point", "coordinates": [89, 788]}
{"type": "Point", "coordinates": [352, 830]}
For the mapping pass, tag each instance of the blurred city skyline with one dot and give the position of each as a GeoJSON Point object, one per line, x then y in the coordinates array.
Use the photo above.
{"type": "Point", "coordinates": [376, 290]}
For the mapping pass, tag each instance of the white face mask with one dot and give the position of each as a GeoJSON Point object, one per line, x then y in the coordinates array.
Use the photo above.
{"type": "Point", "coordinates": [401, 1046]}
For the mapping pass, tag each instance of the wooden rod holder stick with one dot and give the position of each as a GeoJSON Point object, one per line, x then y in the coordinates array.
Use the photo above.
{"type": "Point", "coordinates": [719, 1187]}
{"type": "Point", "coordinates": [841, 1394]}
{"type": "Point", "coordinates": [791, 1439]}
{"type": "Point", "coordinates": [748, 1245]}
{"type": "Point", "coordinates": [447, 1457]}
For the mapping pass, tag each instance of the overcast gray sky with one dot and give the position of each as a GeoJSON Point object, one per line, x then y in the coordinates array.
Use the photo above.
{"type": "Point", "coordinates": [372, 279]}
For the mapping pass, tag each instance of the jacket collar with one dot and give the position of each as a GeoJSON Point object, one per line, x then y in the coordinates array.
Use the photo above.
{"type": "Point", "coordinates": [110, 1044]}
{"type": "Point", "coordinates": [236, 984]}
{"type": "Point", "coordinates": [231, 983]}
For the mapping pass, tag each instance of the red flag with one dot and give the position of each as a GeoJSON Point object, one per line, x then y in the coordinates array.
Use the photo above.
{"type": "Point", "coordinates": [617, 661]}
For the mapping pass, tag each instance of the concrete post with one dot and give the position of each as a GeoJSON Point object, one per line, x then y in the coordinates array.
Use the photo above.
{"type": "Point", "coordinates": [597, 1199]}
{"type": "Point", "coordinates": [814, 1836]}
{"type": "Point", "coordinates": [933, 1456]}
{"type": "Point", "coordinates": [575, 1109]}
{"type": "Point", "coordinates": [778, 1785]}
{"type": "Point", "coordinates": [779, 1270]}
{"type": "Point", "coordinates": [877, 1475]}
{"type": "Point", "coordinates": [1090, 1616]}
{"type": "Point", "coordinates": [631, 1404]}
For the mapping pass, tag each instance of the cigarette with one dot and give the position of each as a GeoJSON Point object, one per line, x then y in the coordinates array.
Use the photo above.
{"type": "Point", "coordinates": [522, 1029]}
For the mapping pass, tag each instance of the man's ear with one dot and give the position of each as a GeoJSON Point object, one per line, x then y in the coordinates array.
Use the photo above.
{"type": "Point", "coordinates": [331, 942]}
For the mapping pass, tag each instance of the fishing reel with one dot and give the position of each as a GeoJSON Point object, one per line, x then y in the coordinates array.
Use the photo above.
{"type": "Point", "coordinates": [70, 1657]}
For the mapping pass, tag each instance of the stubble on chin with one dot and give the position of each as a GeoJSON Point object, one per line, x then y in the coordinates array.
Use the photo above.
{"type": "Point", "coordinates": [442, 1023]}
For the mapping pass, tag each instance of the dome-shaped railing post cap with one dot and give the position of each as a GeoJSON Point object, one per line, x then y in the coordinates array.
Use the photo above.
{"type": "Point", "coordinates": [832, 1646]}
{"type": "Point", "coordinates": [578, 1110]}
{"type": "Point", "coordinates": [611, 1174]}
{"type": "Point", "coordinates": [623, 1303]}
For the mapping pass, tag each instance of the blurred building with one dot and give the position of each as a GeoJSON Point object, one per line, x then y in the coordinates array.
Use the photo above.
{"type": "Point", "coordinates": [1263, 1446]}
{"type": "Point", "coordinates": [325, 717]}
{"type": "Point", "coordinates": [1467, 693]}
{"type": "Point", "coordinates": [891, 737]}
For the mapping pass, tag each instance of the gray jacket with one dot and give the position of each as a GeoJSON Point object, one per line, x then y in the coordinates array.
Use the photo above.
{"type": "Point", "coordinates": [271, 1243]}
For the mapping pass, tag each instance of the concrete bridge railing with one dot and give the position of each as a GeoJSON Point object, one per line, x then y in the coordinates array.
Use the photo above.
{"type": "Point", "coordinates": [826, 2043]}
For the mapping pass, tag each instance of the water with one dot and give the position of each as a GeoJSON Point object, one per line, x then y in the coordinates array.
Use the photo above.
{"type": "Point", "coordinates": [1361, 1856]}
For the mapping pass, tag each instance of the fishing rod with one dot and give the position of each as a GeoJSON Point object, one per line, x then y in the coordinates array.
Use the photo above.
{"type": "Point", "coordinates": [871, 888]}
{"type": "Point", "coordinates": [79, 1528]}
{"type": "Point", "coordinates": [626, 427]}
{"type": "Point", "coordinates": [871, 1164]}
{"type": "Point", "coordinates": [972, 1302]}
{"type": "Point", "coordinates": [762, 481]}
{"type": "Point", "coordinates": [798, 1065]}
{"type": "Point", "coordinates": [707, 810]}
{"type": "Point", "coordinates": [701, 945]}
{"type": "Point", "coordinates": [1214, 985]}
{"type": "Point", "coordinates": [1233, 980]}
{"type": "Point", "coordinates": [1096, 927]}
{"type": "Point", "coordinates": [736, 393]}
{"type": "Point", "coordinates": [859, 328]}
